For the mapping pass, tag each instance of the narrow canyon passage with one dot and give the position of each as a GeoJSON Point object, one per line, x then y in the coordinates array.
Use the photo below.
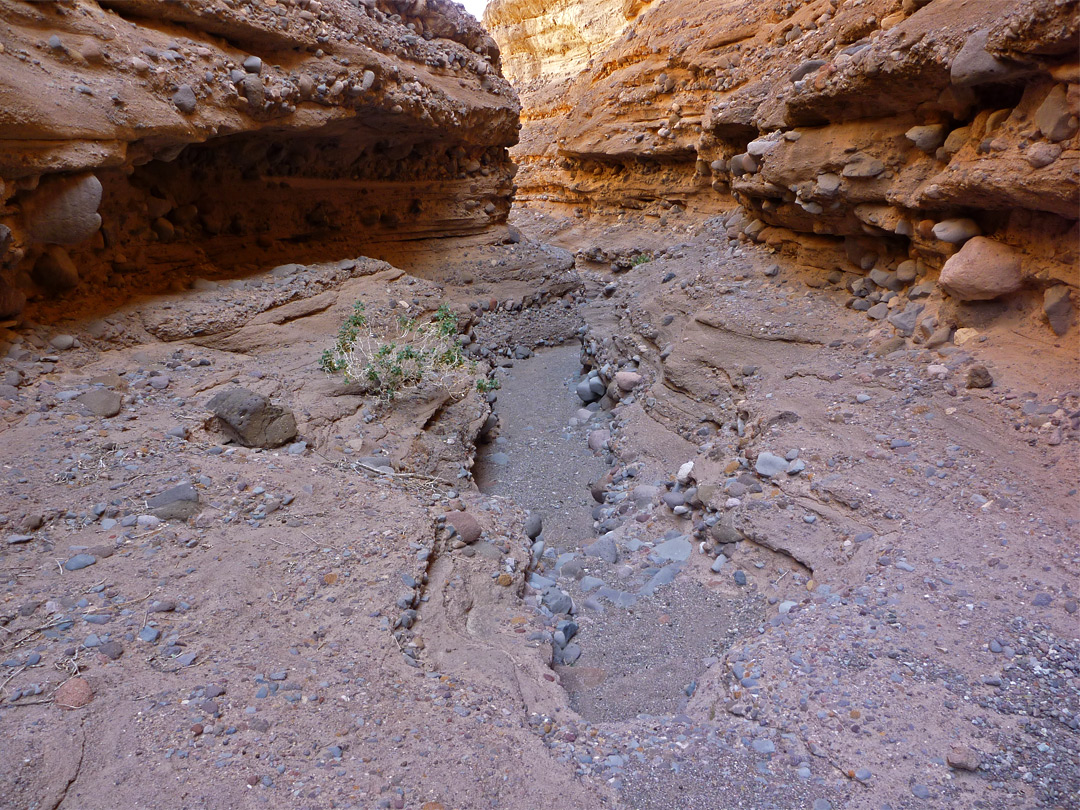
{"type": "Point", "coordinates": [651, 615]}
{"type": "Point", "coordinates": [603, 405]}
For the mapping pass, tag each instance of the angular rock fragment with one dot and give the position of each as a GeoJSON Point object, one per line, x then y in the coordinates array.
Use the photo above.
{"type": "Point", "coordinates": [178, 503]}
{"type": "Point", "coordinates": [904, 320]}
{"type": "Point", "coordinates": [251, 419]}
{"type": "Point", "coordinates": [770, 465]}
{"type": "Point", "coordinates": [964, 759]}
{"type": "Point", "coordinates": [604, 548]}
{"type": "Point", "coordinates": [1058, 307]}
{"type": "Point", "coordinates": [1054, 118]}
{"type": "Point", "coordinates": [979, 377]}
{"type": "Point", "coordinates": [184, 99]}
{"type": "Point", "coordinates": [557, 601]}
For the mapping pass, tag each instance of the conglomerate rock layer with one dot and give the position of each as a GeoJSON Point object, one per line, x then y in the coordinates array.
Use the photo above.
{"type": "Point", "coordinates": [853, 135]}
{"type": "Point", "coordinates": [140, 139]}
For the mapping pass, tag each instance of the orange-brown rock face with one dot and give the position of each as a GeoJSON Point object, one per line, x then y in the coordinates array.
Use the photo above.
{"type": "Point", "coordinates": [854, 134]}
{"type": "Point", "coordinates": [142, 138]}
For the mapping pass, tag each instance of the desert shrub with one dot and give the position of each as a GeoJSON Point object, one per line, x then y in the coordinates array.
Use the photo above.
{"type": "Point", "coordinates": [414, 354]}
{"type": "Point", "coordinates": [486, 385]}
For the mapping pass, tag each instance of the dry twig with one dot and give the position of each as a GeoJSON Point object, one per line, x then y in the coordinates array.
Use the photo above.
{"type": "Point", "coordinates": [15, 672]}
{"type": "Point", "coordinates": [417, 476]}
{"type": "Point", "coordinates": [30, 634]}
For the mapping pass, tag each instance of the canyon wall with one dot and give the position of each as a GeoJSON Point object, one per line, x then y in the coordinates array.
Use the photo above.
{"type": "Point", "coordinates": [556, 39]}
{"type": "Point", "coordinates": [857, 136]}
{"type": "Point", "coordinates": [142, 141]}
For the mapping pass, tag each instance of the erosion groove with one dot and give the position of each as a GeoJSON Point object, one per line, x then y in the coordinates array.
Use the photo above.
{"type": "Point", "coordinates": [76, 770]}
{"type": "Point", "coordinates": [647, 404]}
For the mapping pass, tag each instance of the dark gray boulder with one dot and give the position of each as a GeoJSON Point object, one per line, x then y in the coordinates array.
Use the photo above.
{"type": "Point", "coordinates": [251, 419]}
{"type": "Point", "coordinates": [178, 503]}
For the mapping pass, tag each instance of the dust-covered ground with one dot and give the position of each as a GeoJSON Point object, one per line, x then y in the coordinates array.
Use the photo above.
{"type": "Point", "coordinates": [890, 622]}
{"type": "Point", "coordinates": [909, 538]}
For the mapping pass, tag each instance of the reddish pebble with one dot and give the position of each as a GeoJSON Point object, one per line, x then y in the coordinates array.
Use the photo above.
{"type": "Point", "coordinates": [73, 694]}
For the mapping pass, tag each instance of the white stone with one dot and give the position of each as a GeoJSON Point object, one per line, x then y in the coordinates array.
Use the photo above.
{"type": "Point", "coordinates": [956, 231]}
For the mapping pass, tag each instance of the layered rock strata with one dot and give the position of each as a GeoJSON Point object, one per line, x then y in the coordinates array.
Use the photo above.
{"type": "Point", "coordinates": [856, 136]}
{"type": "Point", "coordinates": [141, 140]}
{"type": "Point", "coordinates": [556, 39]}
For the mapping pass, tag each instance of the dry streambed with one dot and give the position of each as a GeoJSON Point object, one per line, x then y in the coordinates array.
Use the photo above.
{"type": "Point", "coordinates": [859, 593]}
{"type": "Point", "coordinates": [815, 613]}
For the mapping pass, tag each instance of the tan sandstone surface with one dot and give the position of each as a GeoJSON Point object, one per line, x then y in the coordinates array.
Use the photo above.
{"type": "Point", "coordinates": [846, 132]}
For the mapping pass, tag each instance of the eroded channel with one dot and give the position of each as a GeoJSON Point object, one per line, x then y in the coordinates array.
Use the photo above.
{"type": "Point", "coordinates": [644, 624]}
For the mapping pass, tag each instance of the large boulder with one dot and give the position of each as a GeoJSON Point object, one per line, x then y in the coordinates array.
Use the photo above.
{"type": "Point", "coordinates": [63, 210]}
{"type": "Point", "coordinates": [982, 270]}
{"type": "Point", "coordinates": [251, 419]}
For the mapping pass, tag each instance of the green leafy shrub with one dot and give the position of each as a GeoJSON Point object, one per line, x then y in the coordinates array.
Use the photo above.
{"type": "Point", "coordinates": [415, 354]}
{"type": "Point", "coordinates": [640, 259]}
